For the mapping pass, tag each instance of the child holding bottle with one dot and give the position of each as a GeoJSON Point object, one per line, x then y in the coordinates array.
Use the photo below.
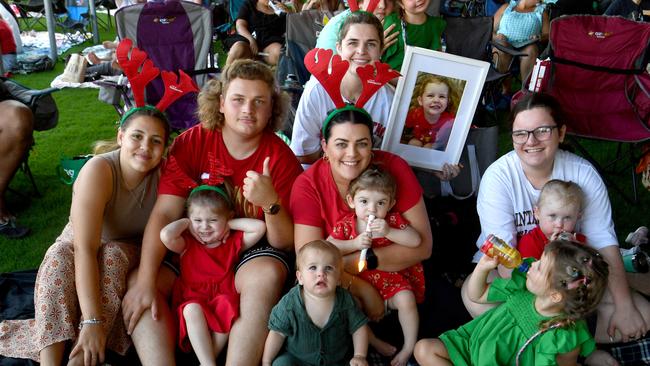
{"type": "Point", "coordinates": [432, 118]}
{"type": "Point", "coordinates": [371, 196]}
{"type": "Point", "coordinates": [541, 320]}
{"type": "Point", "coordinates": [318, 319]}
{"type": "Point", "coordinates": [209, 241]}
{"type": "Point", "coordinates": [557, 210]}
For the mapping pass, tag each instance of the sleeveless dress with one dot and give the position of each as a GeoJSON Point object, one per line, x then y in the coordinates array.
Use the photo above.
{"type": "Point", "coordinates": [56, 304]}
{"type": "Point", "coordinates": [208, 279]}
{"type": "Point", "coordinates": [387, 283]}
{"type": "Point", "coordinates": [518, 26]}
{"type": "Point", "coordinates": [495, 337]}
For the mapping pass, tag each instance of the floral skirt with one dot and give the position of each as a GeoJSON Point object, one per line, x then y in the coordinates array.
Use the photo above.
{"type": "Point", "coordinates": [56, 305]}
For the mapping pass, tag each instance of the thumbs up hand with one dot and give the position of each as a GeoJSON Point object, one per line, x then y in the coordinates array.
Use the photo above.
{"type": "Point", "coordinates": [258, 187]}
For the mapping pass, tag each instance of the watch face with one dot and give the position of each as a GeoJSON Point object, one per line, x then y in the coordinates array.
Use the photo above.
{"type": "Point", "coordinates": [274, 209]}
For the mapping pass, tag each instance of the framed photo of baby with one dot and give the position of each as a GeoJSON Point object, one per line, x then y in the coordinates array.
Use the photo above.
{"type": "Point", "coordinates": [433, 108]}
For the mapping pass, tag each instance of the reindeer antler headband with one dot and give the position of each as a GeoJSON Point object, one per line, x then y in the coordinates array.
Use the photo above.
{"type": "Point", "coordinates": [330, 69]}
{"type": "Point", "coordinates": [354, 6]}
{"type": "Point", "coordinates": [217, 172]}
{"type": "Point", "coordinates": [140, 71]}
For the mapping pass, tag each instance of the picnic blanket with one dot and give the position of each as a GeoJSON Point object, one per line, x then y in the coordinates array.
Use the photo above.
{"type": "Point", "coordinates": [36, 45]}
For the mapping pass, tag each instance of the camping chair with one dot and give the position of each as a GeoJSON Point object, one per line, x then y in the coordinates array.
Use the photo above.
{"type": "Point", "coordinates": [176, 35]}
{"type": "Point", "coordinates": [224, 30]}
{"type": "Point", "coordinates": [46, 116]}
{"type": "Point", "coordinates": [598, 73]}
{"type": "Point", "coordinates": [471, 37]}
{"type": "Point", "coordinates": [32, 12]}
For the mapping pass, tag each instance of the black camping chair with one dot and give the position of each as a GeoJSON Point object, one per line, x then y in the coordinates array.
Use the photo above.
{"type": "Point", "coordinates": [46, 116]}
{"type": "Point", "coordinates": [472, 38]}
{"type": "Point", "coordinates": [32, 12]}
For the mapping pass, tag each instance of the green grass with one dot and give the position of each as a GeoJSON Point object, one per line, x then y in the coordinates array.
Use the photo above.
{"type": "Point", "coordinates": [84, 119]}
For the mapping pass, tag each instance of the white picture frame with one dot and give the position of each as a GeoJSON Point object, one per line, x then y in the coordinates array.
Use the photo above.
{"type": "Point", "coordinates": [460, 72]}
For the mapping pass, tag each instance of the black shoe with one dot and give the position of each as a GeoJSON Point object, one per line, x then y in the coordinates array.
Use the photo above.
{"type": "Point", "coordinates": [11, 230]}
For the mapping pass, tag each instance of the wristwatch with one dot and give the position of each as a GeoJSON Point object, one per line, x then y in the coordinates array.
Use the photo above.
{"type": "Point", "coordinates": [372, 262]}
{"type": "Point", "coordinates": [272, 209]}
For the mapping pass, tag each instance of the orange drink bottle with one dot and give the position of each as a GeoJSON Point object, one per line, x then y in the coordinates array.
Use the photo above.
{"type": "Point", "coordinates": [505, 254]}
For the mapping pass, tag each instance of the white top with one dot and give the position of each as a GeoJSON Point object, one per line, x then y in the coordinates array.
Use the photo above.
{"type": "Point", "coordinates": [506, 200]}
{"type": "Point", "coordinates": [312, 111]}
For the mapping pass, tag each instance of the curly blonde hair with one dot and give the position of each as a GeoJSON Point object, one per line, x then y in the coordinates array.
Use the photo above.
{"type": "Point", "coordinates": [455, 87]}
{"type": "Point", "coordinates": [210, 95]}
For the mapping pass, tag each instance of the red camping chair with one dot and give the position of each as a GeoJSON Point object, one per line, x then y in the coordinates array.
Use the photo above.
{"type": "Point", "coordinates": [598, 73]}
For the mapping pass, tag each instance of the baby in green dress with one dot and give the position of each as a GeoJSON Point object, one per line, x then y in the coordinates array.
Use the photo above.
{"type": "Point", "coordinates": [541, 320]}
{"type": "Point", "coordinates": [318, 319]}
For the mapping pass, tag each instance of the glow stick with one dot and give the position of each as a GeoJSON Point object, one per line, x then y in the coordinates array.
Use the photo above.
{"type": "Point", "coordinates": [364, 251]}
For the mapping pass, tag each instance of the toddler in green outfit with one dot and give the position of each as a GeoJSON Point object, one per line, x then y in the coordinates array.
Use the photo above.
{"type": "Point", "coordinates": [541, 320]}
{"type": "Point", "coordinates": [318, 319]}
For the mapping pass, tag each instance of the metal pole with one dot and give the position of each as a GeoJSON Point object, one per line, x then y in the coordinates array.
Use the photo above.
{"type": "Point", "coordinates": [93, 20]}
{"type": "Point", "coordinates": [49, 17]}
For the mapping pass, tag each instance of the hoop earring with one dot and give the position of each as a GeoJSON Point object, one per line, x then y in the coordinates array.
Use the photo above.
{"type": "Point", "coordinates": [325, 157]}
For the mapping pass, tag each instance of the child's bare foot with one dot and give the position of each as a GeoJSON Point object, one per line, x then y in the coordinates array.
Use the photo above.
{"type": "Point", "coordinates": [92, 57]}
{"type": "Point", "coordinates": [600, 358]}
{"type": "Point", "coordinates": [384, 348]}
{"type": "Point", "coordinates": [401, 359]}
{"type": "Point", "coordinates": [110, 45]}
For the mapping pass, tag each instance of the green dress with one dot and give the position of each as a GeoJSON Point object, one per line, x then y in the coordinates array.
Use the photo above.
{"type": "Point", "coordinates": [426, 35]}
{"type": "Point", "coordinates": [495, 337]}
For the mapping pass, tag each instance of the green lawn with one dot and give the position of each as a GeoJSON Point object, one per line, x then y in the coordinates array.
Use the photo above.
{"type": "Point", "coordinates": [84, 119]}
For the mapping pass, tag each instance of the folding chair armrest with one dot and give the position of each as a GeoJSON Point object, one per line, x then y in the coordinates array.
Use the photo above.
{"type": "Point", "coordinates": [508, 50]}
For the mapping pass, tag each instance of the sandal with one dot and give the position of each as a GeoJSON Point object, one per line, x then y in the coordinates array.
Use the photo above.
{"type": "Point", "coordinates": [638, 237]}
{"type": "Point", "coordinates": [11, 230]}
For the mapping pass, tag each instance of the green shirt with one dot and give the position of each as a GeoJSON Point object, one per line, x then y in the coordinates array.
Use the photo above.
{"type": "Point", "coordinates": [309, 344]}
{"type": "Point", "coordinates": [495, 337]}
{"type": "Point", "coordinates": [426, 35]}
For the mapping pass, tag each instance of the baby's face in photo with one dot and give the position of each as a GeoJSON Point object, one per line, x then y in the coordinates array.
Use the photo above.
{"type": "Point", "coordinates": [435, 99]}
{"type": "Point", "coordinates": [319, 272]}
{"type": "Point", "coordinates": [556, 216]}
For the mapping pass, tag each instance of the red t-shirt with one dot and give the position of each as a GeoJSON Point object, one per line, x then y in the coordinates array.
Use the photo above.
{"type": "Point", "coordinates": [191, 148]}
{"type": "Point", "coordinates": [7, 41]}
{"type": "Point", "coordinates": [422, 129]}
{"type": "Point", "coordinates": [315, 199]}
{"type": "Point", "coordinates": [532, 244]}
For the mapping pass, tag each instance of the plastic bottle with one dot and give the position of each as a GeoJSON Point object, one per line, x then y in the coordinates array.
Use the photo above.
{"type": "Point", "coordinates": [506, 255]}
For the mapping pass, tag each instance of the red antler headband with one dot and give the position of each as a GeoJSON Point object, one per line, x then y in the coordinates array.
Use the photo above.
{"type": "Point", "coordinates": [354, 6]}
{"type": "Point", "coordinates": [217, 172]}
{"type": "Point", "coordinates": [140, 71]}
{"type": "Point", "coordinates": [329, 70]}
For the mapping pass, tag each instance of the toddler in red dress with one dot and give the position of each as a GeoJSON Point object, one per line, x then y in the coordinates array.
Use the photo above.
{"type": "Point", "coordinates": [209, 241]}
{"type": "Point", "coordinates": [372, 194]}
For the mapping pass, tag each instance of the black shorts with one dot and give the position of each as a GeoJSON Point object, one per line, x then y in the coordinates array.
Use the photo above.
{"type": "Point", "coordinates": [262, 41]}
{"type": "Point", "coordinates": [264, 249]}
